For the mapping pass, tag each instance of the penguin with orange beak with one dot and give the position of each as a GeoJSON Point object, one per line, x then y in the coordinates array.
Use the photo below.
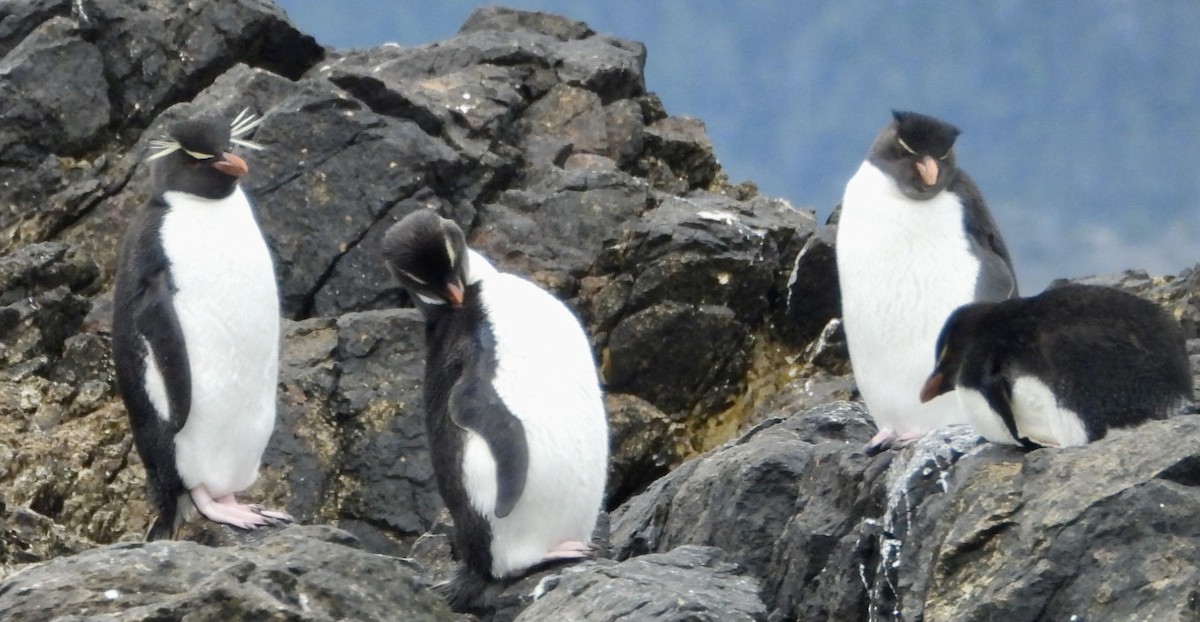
{"type": "Point", "coordinates": [516, 423]}
{"type": "Point", "coordinates": [196, 330]}
{"type": "Point", "coordinates": [915, 241]}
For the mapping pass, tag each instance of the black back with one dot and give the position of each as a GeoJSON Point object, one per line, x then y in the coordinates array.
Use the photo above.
{"type": "Point", "coordinates": [143, 313]}
{"type": "Point", "coordinates": [453, 346]}
{"type": "Point", "coordinates": [910, 138]}
{"type": "Point", "coordinates": [460, 366]}
{"type": "Point", "coordinates": [997, 278]}
{"type": "Point", "coordinates": [1111, 357]}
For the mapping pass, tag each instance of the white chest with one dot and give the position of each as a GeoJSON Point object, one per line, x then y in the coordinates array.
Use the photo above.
{"type": "Point", "coordinates": [217, 251]}
{"type": "Point", "coordinates": [897, 253]}
{"type": "Point", "coordinates": [547, 379]}
{"type": "Point", "coordinates": [903, 267]}
{"type": "Point", "coordinates": [227, 303]}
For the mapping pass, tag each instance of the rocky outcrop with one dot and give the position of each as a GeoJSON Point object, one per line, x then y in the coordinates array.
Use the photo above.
{"type": "Point", "coordinates": [689, 582]}
{"type": "Point", "coordinates": [952, 528]}
{"type": "Point", "coordinates": [737, 487]}
{"type": "Point", "coordinates": [299, 573]}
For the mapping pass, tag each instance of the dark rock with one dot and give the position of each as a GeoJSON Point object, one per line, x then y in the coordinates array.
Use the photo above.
{"type": "Point", "coordinates": [813, 296]}
{"type": "Point", "coordinates": [679, 156]}
{"type": "Point", "coordinates": [353, 168]}
{"type": "Point", "coordinates": [645, 444]}
{"type": "Point", "coordinates": [43, 302]}
{"type": "Point", "coordinates": [613, 68]}
{"type": "Point", "coordinates": [751, 483]}
{"type": "Point", "coordinates": [702, 349]}
{"type": "Point", "coordinates": [687, 583]}
{"type": "Point", "coordinates": [63, 111]}
{"type": "Point", "coordinates": [1097, 532]}
{"type": "Point", "coordinates": [690, 277]}
{"type": "Point", "coordinates": [350, 444]}
{"type": "Point", "coordinates": [555, 230]}
{"type": "Point", "coordinates": [506, 19]}
{"type": "Point", "coordinates": [81, 78]}
{"type": "Point", "coordinates": [300, 573]}
{"type": "Point", "coordinates": [573, 115]}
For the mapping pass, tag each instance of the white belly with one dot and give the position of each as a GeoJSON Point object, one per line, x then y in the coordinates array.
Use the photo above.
{"type": "Point", "coordinates": [1040, 418]}
{"type": "Point", "coordinates": [228, 308]}
{"type": "Point", "coordinates": [1036, 413]}
{"type": "Point", "coordinates": [903, 266]}
{"type": "Point", "coordinates": [547, 378]}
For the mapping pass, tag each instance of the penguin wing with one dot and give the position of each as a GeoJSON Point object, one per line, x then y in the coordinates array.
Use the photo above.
{"type": "Point", "coordinates": [997, 388]}
{"type": "Point", "coordinates": [476, 406]}
{"type": "Point", "coordinates": [147, 327]}
{"type": "Point", "coordinates": [997, 279]}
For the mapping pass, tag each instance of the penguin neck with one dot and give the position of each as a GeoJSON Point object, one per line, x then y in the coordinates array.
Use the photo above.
{"type": "Point", "coordinates": [234, 201]}
{"type": "Point", "coordinates": [478, 268]}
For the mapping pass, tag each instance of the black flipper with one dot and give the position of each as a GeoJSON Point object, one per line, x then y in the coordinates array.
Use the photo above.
{"type": "Point", "coordinates": [144, 318]}
{"type": "Point", "coordinates": [997, 279]}
{"type": "Point", "coordinates": [998, 391]}
{"type": "Point", "coordinates": [475, 406]}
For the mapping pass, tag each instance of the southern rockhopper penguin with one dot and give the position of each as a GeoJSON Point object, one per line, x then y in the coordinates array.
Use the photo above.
{"type": "Point", "coordinates": [513, 410]}
{"type": "Point", "coordinates": [914, 242]}
{"type": "Point", "coordinates": [196, 330]}
{"type": "Point", "coordinates": [1062, 368]}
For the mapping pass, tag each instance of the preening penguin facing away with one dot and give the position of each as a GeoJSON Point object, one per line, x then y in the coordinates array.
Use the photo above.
{"type": "Point", "coordinates": [516, 423]}
{"type": "Point", "coordinates": [914, 242]}
{"type": "Point", "coordinates": [1063, 367]}
{"type": "Point", "coordinates": [196, 330]}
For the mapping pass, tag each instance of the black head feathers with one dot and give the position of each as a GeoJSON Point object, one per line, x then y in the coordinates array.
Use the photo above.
{"type": "Point", "coordinates": [193, 158]}
{"type": "Point", "coordinates": [428, 254]}
{"type": "Point", "coordinates": [923, 134]}
{"type": "Point", "coordinates": [917, 152]}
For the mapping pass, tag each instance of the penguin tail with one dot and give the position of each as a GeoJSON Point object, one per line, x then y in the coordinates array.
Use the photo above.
{"type": "Point", "coordinates": [470, 591]}
{"type": "Point", "coordinates": [171, 515]}
{"type": "Point", "coordinates": [163, 527]}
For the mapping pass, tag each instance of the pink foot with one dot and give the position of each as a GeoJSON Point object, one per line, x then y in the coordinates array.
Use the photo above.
{"type": "Point", "coordinates": [227, 510]}
{"type": "Point", "coordinates": [570, 549]}
{"type": "Point", "coordinates": [888, 438]}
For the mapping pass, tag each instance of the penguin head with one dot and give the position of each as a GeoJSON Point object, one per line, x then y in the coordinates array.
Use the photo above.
{"type": "Point", "coordinates": [955, 345]}
{"type": "Point", "coordinates": [428, 254]}
{"type": "Point", "coordinates": [194, 157]}
{"type": "Point", "coordinates": [917, 151]}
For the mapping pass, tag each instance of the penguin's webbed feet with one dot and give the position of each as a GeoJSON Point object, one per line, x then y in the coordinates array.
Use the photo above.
{"type": "Point", "coordinates": [227, 510]}
{"type": "Point", "coordinates": [888, 438]}
{"type": "Point", "coordinates": [569, 549]}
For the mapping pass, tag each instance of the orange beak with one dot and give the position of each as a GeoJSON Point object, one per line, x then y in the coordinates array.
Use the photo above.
{"type": "Point", "coordinates": [231, 165]}
{"type": "Point", "coordinates": [454, 294]}
{"type": "Point", "coordinates": [927, 168]}
{"type": "Point", "coordinates": [932, 388]}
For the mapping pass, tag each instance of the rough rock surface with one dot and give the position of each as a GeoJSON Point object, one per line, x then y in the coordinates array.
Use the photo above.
{"type": "Point", "coordinates": [687, 583]}
{"type": "Point", "coordinates": [299, 573]}
{"type": "Point", "coordinates": [952, 528]}
{"type": "Point", "coordinates": [737, 480]}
